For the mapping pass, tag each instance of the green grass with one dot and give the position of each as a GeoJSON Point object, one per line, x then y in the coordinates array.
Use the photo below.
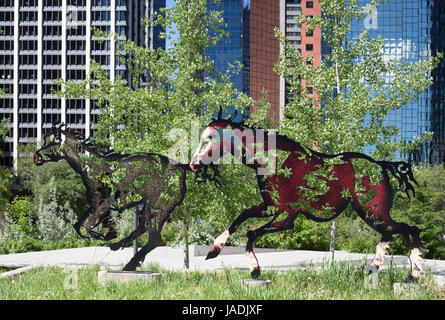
{"type": "Point", "coordinates": [338, 281]}
{"type": "Point", "coordinates": [3, 269]}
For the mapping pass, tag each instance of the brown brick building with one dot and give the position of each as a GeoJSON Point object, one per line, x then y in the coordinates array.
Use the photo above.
{"type": "Point", "coordinates": [265, 15]}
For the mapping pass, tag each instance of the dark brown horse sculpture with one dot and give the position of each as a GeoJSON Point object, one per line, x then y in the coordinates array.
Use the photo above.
{"type": "Point", "coordinates": [147, 179]}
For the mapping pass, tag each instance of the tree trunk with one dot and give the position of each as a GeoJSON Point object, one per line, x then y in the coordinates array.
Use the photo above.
{"type": "Point", "coordinates": [332, 244]}
{"type": "Point", "coordinates": [186, 245]}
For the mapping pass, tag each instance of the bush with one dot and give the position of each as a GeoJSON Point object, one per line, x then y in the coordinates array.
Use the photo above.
{"type": "Point", "coordinates": [306, 235]}
{"type": "Point", "coordinates": [20, 213]}
{"type": "Point", "coordinates": [27, 244]}
{"type": "Point", "coordinates": [60, 176]}
{"type": "Point", "coordinates": [426, 210]}
{"type": "Point", "coordinates": [5, 184]}
{"type": "Point", "coordinates": [55, 221]}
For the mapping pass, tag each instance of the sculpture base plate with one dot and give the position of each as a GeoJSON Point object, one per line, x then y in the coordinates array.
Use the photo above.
{"type": "Point", "coordinates": [126, 276]}
{"type": "Point", "coordinates": [408, 290]}
{"type": "Point", "coordinates": [255, 283]}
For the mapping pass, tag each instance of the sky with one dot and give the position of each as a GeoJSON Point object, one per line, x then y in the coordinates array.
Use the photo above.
{"type": "Point", "coordinates": [169, 4]}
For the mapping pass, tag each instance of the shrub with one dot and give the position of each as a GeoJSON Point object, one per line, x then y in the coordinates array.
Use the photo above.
{"type": "Point", "coordinates": [20, 213]}
{"type": "Point", "coordinates": [5, 183]}
{"type": "Point", "coordinates": [55, 221]}
{"type": "Point", "coordinates": [426, 210]}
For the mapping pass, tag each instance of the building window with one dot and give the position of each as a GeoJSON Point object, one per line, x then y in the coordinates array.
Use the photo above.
{"type": "Point", "coordinates": [309, 33]}
{"type": "Point", "coordinates": [309, 47]}
{"type": "Point", "coordinates": [310, 90]}
{"type": "Point", "coordinates": [309, 4]}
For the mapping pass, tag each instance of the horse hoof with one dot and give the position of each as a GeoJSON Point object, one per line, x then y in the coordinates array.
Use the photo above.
{"type": "Point", "coordinates": [410, 279]}
{"type": "Point", "coordinates": [115, 246]}
{"type": "Point", "coordinates": [371, 269]}
{"type": "Point", "coordinates": [255, 273]}
{"type": "Point", "coordinates": [129, 267]}
{"type": "Point", "coordinates": [213, 253]}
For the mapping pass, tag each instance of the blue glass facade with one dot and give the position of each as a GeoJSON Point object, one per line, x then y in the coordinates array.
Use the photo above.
{"type": "Point", "coordinates": [235, 47]}
{"type": "Point", "coordinates": [413, 30]}
{"type": "Point", "coordinates": [158, 42]}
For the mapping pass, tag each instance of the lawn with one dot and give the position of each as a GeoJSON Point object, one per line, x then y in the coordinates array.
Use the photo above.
{"type": "Point", "coordinates": [3, 269]}
{"type": "Point", "coordinates": [338, 281]}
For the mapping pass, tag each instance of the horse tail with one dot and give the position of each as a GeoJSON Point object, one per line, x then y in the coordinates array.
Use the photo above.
{"type": "Point", "coordinates": [403, 172]}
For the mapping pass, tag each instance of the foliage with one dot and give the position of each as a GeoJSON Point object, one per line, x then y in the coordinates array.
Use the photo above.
{"type": "Point", "coordinates": [27, 244]}
{"type": "Point", "coordinates": [355, 86]}
{"type": "Point", "coordinates": [55, 220]}
{"type": "Point", "coordinates": [5, 184]}
{"type": "Point", "coordinates": [59, 182]}
{"type": "Point", "coordinates": [184, 91]}
{"type": "Point", "coordinates": [44, 220]}
{"type": "Point", "coordinates": [177, 93]}
{"type": "Point", "coordinates": [426, 210]}
{"type": "Point", "coordinates": [306, 235]}
{"type": "Point", "coordinates": [20, 213]}
{"type": "Point", "coordinates": [221, 205]}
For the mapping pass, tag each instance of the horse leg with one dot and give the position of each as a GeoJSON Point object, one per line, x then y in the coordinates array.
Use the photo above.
{"type": "Point", "coordinates": [80, 223]}
{"type": "Point", "coordinates": [379, 257]}
{"type": "Point", "coordinates": [132, 236]}
{"type": "Point", "coordinates": [140, 229]}
{"type": "Point", "coordinates": [269, 227]}
{"type": "Point", "coordinates": [220, 241]}
{"type": "Point", "coordinates": [382, 223]}
{"type": "Point", "coordinates": [153, 242]}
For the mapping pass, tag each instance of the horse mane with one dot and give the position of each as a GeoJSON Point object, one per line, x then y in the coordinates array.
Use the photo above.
{"type": "Point", "coordinates": [283, 141]}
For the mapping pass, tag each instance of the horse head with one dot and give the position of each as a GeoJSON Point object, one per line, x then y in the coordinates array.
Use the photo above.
{"type": "Point", "coordinates": [50, 151]}
{"type": "Point", "coordinates": [216, 140]}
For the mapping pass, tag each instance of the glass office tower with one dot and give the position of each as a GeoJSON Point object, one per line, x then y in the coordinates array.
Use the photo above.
{"type": "Point", "coordinates": [45, 40]}
{"type": "Point", "coordinates": [413, 30]}
{"type": "Point", "coordinates": [235, 47]}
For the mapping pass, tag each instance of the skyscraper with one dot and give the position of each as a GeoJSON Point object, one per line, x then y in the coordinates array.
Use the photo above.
{"type": "Point", "coordinates": [307, 42]}
{"type": "Point", "coordinates": [252, 42]}
{"type": "Point", "coordinates": [46, 40]}
{"type": "Point", "coordinates": [413, 30]}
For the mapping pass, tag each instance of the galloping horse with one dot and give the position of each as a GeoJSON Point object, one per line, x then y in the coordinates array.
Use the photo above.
{"type": "Point", "coordinates": [316, 185]}
{"type": "Point", "coordinates": [149, 179]}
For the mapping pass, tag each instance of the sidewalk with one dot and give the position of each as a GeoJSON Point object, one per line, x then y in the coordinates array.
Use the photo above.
{"type": "Point", "coordinates": [172, 258]}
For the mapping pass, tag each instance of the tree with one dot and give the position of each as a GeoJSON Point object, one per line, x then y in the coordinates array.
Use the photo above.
{"type": "Point", "coordinates": [354, 86]}
{"type": "Point", "coordinates": [184, 91]}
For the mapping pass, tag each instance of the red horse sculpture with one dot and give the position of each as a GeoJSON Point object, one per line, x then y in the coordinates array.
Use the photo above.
{"type": "Point", "coordinates": [316, 185]}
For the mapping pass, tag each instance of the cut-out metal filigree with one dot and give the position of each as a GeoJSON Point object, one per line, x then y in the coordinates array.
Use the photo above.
{"type": "Point", "coordinates": [317, 185]}
{"type": "Point", "coordinates": [117, 182]}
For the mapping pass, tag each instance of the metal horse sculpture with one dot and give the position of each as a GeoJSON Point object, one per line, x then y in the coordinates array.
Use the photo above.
{"type": "Point", "coordinates": [316, 185]}
{"type": "Point", "coordinates": [147, 179]}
